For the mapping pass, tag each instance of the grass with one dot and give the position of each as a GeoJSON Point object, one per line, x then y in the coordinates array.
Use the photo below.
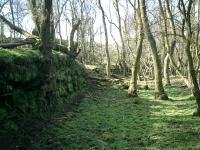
{"type": "Point", "coordinates": [108, 119]}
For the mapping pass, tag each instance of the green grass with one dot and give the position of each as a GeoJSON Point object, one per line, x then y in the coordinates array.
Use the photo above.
{"type": "Point", "coordinates": [108, 119]}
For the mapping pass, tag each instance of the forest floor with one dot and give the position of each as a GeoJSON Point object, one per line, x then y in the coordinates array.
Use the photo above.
{"type": "Point", "coordinates": [107, 119]}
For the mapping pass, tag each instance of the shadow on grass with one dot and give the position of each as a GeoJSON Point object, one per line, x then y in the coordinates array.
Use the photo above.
{"type": "Point", "coordinates": [173, 126]}
{"type": "Point", "coordinates": [176, 132]}
{"type": "Point", "coordinates": [108, 119]}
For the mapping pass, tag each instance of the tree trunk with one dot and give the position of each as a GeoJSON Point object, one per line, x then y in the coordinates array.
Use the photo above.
{"type": "Point", "coordinates": [166, 41]}
{"type": "Point", "coordinates": [166, 70]}
{"type": "Point", "coordinates": [46, 96]}
{"type": "Point", "coordinates": [186, 15]}
{"type": "Point", "coordinates": [124, 66]}
{"type": "Point", "coordinates": [13, 17]}
{"type": "Point", "coordinates": [35, 14]}
{"type": "Point", "coordinates": [2, 29]}
{"type": "Point", "coordinates": [195, 89]}
{"type": "Point", "coordinates": [2, 35]}
{"type": "Point", "coordinates": [106, 40]}
{"type": "Point", "coordinates": [132, 91]}
{"type": "Point", "coordinates": [159, 90]}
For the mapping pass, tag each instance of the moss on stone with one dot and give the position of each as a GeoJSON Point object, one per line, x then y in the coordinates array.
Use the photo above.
{"type": "Point", "coordinates": [19, 79]}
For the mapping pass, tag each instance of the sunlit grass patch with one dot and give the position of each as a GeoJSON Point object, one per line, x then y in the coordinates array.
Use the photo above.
{"type": "Point", "coordinates": [109, 119]}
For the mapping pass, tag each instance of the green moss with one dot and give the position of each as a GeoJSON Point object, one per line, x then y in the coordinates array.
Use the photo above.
{"type": "Point", "coordinates": [19, 64]}
{"type": "Point", "coordinates": [12, 54]}
{"type": "Point", "coordinates": [19, 81]}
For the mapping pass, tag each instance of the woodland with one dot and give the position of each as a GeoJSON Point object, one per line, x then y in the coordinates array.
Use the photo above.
{"type": "Point", "coordinates": [99, 74]}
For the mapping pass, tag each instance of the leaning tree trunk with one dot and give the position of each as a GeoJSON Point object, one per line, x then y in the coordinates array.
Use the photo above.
{"type": "Point", "coordinates": [106, 39]}
{"type": "Point", "coordinates": [47, 82]}
{"type": "Point", "coordinates": [195, 89]}
{"type": "Point", "coordinates": [159, 90]}
{"type": "Point", "coordinates": [186, 13]}
{"type": "Point", "coordinates": [132, 91]}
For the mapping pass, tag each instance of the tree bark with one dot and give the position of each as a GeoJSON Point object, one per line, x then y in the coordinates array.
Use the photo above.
{"type": "Point", "coordinates": [132, 91]}
{"type": "Point", "coordinates": [46, 96]}
{"type": "Point", "coordinates": [159, 90]}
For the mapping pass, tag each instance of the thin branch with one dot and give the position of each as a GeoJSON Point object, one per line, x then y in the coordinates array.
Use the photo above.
{"type": "Point", "coordinates": [110, 21]}
{"type": "Point", "coordinates": [2, 5]}
{"type": "Point", "coordinates": [60, 12]}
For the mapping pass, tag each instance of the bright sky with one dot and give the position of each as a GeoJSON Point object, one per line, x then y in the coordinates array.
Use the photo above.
{"type": "Point", "coordinates": [28, 24]}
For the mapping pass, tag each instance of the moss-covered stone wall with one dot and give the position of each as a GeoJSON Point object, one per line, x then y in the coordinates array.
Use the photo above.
{"type": "Point", "coordinates": [19, 83]}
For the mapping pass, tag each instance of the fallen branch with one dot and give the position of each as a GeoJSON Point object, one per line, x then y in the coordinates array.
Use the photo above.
{"type": "Point", "coordinates": [18, 43]}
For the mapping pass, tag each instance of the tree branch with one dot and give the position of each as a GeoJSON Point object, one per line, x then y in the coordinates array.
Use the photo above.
{"type": "Point", "coordinates": [20, 30]}
{"type": "Point", "coordinates": [74, 28]}
{"type": "Point", "coordinates": [110, 21]}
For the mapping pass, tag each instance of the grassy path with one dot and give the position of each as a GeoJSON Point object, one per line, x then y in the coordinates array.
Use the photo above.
{"type": "Point", "coordinates": [108, 119]}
